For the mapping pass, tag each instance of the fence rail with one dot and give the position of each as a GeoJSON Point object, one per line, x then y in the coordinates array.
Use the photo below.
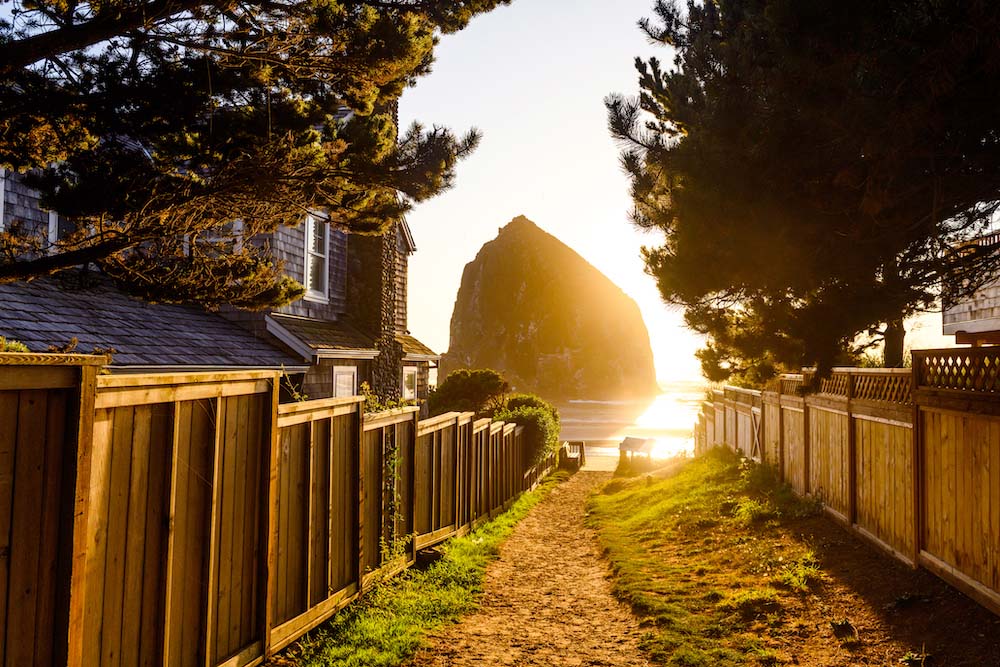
{"type": "Point", "coordinates": [909, 459]}
{"type": "Point", "coordinates": [189, 519]}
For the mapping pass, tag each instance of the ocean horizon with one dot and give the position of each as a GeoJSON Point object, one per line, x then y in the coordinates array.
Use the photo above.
{"type": "Point", "coordinates": [668, 418]}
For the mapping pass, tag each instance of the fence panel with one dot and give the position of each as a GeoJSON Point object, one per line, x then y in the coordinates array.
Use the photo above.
{"type": "Point", "coordinates": [884, 464]}
{"type": "Point", "coordinates": [829, 460]}
{"type": "Point", "coordinates": [40, 407]}
{"type": "Point", "coordinates": [175, 519]}
{"type": "Point", "coordinates": [316, 509]}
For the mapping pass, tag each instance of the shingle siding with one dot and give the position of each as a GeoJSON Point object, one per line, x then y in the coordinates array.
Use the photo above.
{"type": "Point", "coordinates": [288, 245]}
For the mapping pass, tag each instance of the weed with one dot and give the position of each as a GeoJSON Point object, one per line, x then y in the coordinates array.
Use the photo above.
{"type": "Point", "coordinates": [915, 658]}
{"type": "Point", "coordinates": [752, 603]}
{"type": "Point", "coordinates": [801, 572]}
{"type": "Point", "coordinates": [12, 345]}
{"type": "Point", "coordinates": [750, 510]}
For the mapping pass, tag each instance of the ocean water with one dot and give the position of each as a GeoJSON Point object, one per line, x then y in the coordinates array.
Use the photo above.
{"type": "Point", "coordinates": [668, 418]}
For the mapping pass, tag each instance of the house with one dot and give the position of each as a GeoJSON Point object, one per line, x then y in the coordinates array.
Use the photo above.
{"type": "Point", "coordinates": [975, 320]}
{"type": "Point", "coordinates": [349, 328]}
{"type": "Point", "coordinates": [351, 325]}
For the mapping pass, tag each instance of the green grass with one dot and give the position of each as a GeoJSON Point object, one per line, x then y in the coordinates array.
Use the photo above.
{"type": "Point", "coordinates": [703, 558]}
{"type": "Point", "coordinates": [387, 626]}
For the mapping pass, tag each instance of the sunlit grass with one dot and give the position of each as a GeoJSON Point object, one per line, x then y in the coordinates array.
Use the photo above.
{"type": "Point", "coordinates": [387, 626]}
{"type": "Point", "coordinates": [700, 555]}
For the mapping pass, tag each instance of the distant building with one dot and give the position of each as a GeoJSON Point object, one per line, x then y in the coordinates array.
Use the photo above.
{"type": "Point", "coordinates": [975, 320]}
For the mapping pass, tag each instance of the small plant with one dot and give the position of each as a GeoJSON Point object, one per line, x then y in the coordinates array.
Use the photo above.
{"type": "Point", "coordinates": [752, 603]}
{"type": "Point", "coordinates": [294, 391]}
{"type": "Point", "coordinates": [375, 403]}
{"type": "Point", "coordinates": [801, 572]}
{"type": "Point", "coordinates": [12, 346]}
{"type": "Point", "coordinates": [845, 631]}
{"type": "Point", "coordinates": [915, 658]}
{"type": "Point", "coordinates": [750, 510]}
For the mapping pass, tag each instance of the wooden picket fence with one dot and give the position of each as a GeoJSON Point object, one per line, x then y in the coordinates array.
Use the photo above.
{"type": "Point", "coordinates": [191, 519]}
{"type": "Point", "coordinates": [908, 459]}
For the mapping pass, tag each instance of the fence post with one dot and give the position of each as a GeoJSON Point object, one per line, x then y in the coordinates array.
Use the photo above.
{"type": "Point", "coordinates": [456, 488]}
{"type": "Point", "coordinates": [917, 452]}
{"type": "Point", "coordinates": [781, 434]}
{"type": "Point", "coordinates": [411, 520]}
{"type": "Point", "coordinates": [852, 463]}
{"type": "Point", "coordinates": [806, 453]}
{"type": "Point", "coordinates": [359, 461]}
{"type": "Point", "coordinates": [81, 515]}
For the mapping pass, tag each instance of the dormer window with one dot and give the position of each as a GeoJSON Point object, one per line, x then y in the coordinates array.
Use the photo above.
{"type": "Point", "coordinates": [317, 258]}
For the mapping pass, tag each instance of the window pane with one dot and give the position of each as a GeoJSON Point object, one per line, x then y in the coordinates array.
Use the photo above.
{"type": "Point", "coordinates": [318, 233]}
{"type": "Point", "coordinates": [409, 383]}
{"type": "Point", "coordinates": [317, 273]}
{"type": "Point", "coordinates": [344, 382]}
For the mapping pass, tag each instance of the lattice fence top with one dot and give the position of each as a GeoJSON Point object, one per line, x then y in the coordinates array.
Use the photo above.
{"type": "Point", "coordinates": [976, 370]}
{"type": "Point", "coordinates": [835, 385]}
{"type": "Point", "coordinates": [884, 387]}
{"type": "Point", "coordinates": [791, 384]}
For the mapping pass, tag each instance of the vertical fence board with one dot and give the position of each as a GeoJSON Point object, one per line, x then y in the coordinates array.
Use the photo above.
{"type": "Point", "coordinates": [8, 435]}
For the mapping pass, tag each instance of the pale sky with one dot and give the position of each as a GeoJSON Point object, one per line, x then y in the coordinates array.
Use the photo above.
{"type": "Point", "coordinates": [532, 76]}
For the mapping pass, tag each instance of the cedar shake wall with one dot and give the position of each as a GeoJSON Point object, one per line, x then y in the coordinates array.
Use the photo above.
{"type": "Point", "coordinates": [288, 244]}
{"type": "Point", "coordinates": [23, 204]}
{"type": "Point", "coordinates": [318, 382]}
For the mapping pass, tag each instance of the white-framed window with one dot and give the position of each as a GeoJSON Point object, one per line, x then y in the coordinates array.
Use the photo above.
{"type": "Point", "coordinates": [53, 231]}
{"type": "Point", "coordinates": [345, 381]}
{"type": "Point", "coordinates": [409, 383]}
{"type": "Point", "coordinates": [316, 276]}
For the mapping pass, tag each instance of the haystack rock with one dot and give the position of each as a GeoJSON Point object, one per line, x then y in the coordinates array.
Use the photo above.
{"type": "Point", "coordinates": [533, 309]}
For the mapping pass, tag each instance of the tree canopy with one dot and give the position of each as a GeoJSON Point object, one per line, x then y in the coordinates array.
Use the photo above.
{"type": "Point", "coordinates": [154, 124]}
{"type": "Point", "coordinates": [815, 168]}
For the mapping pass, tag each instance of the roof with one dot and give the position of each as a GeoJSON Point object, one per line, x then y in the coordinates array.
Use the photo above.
{"type": "Point", "coordinates": [320, 337]}
{"type": "Point", "coordinates": [414, 348]}
{"type": "Point", "coordinates": [407, 236]}
{"type": "Point", "coordinates": [52, 311]}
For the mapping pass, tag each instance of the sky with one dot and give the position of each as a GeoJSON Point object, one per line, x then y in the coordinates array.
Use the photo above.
{"type": "Point", "coordinates": [532, 76]}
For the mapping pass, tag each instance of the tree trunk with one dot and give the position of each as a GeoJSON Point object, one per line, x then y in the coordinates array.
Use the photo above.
{"type": "Point", "coordinates": [892, 355]}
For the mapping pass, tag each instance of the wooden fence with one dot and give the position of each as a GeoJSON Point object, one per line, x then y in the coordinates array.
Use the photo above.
{"type": "Point", "coordinates": [910, 460]}
{"type": "Point", "coordinates": [190, 519]}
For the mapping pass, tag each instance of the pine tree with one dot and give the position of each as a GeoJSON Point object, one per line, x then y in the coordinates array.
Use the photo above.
{"type": "Point", "coordinates": [814, 166]}
{"type": "Point", "coordinates": [155, 124]}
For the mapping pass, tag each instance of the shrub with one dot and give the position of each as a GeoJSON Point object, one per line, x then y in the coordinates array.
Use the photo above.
{"type": "Point", "coordinates": [516, 401]}
{"type": "Point", "coordinates": [12, 346]}
{"type": "Point", "coordinates": [481, 391]}
{"type": "Point", "coordinates": [541, 436]}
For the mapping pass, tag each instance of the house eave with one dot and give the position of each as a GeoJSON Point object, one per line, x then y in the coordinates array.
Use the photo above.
{"type": "Point", "coordinates": [335, 353]}
{"type": "Point", "coordinates": [201, 368]}
{"type": "Point", "coordinates": [422, 357]}
{"type": "Point", "coordinates": [286, 337]}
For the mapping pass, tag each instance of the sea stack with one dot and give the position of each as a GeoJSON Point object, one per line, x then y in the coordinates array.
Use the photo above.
{"type": "Point", "coordinates": [533, 309]}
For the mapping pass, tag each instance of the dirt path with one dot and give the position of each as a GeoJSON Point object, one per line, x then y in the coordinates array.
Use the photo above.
{"type": "Point", "coordinates": [547, 599]}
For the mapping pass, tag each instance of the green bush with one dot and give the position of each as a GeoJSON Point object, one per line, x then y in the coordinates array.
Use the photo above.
{"type": "Point", "coordinates": [541, 436]}
{"type": "Point", "coordinates": [481, 391]}
{"type": "Point", "coordinates": [532, 401]}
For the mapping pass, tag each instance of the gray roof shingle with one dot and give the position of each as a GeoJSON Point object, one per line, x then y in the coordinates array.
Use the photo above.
{"type": "Point", "coordinates": [51, 311]}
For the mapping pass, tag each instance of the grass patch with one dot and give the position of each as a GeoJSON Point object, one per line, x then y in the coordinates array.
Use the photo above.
{"type": "Point", "coordinates": [704, 558]}
{"type": "Point", "coordinates": [387, 626]}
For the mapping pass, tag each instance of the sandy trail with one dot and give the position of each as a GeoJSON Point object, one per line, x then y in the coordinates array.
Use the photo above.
{"type": "Point", "coordinates": [547, 599]}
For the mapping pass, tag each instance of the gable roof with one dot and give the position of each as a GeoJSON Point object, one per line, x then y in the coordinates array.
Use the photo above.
{"type": "Point", "coordinates": [52, 311]}
{"type": "Point", "coordinates": [323, 338]}
{"type": "Point", "coordinates": [414, 350]}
